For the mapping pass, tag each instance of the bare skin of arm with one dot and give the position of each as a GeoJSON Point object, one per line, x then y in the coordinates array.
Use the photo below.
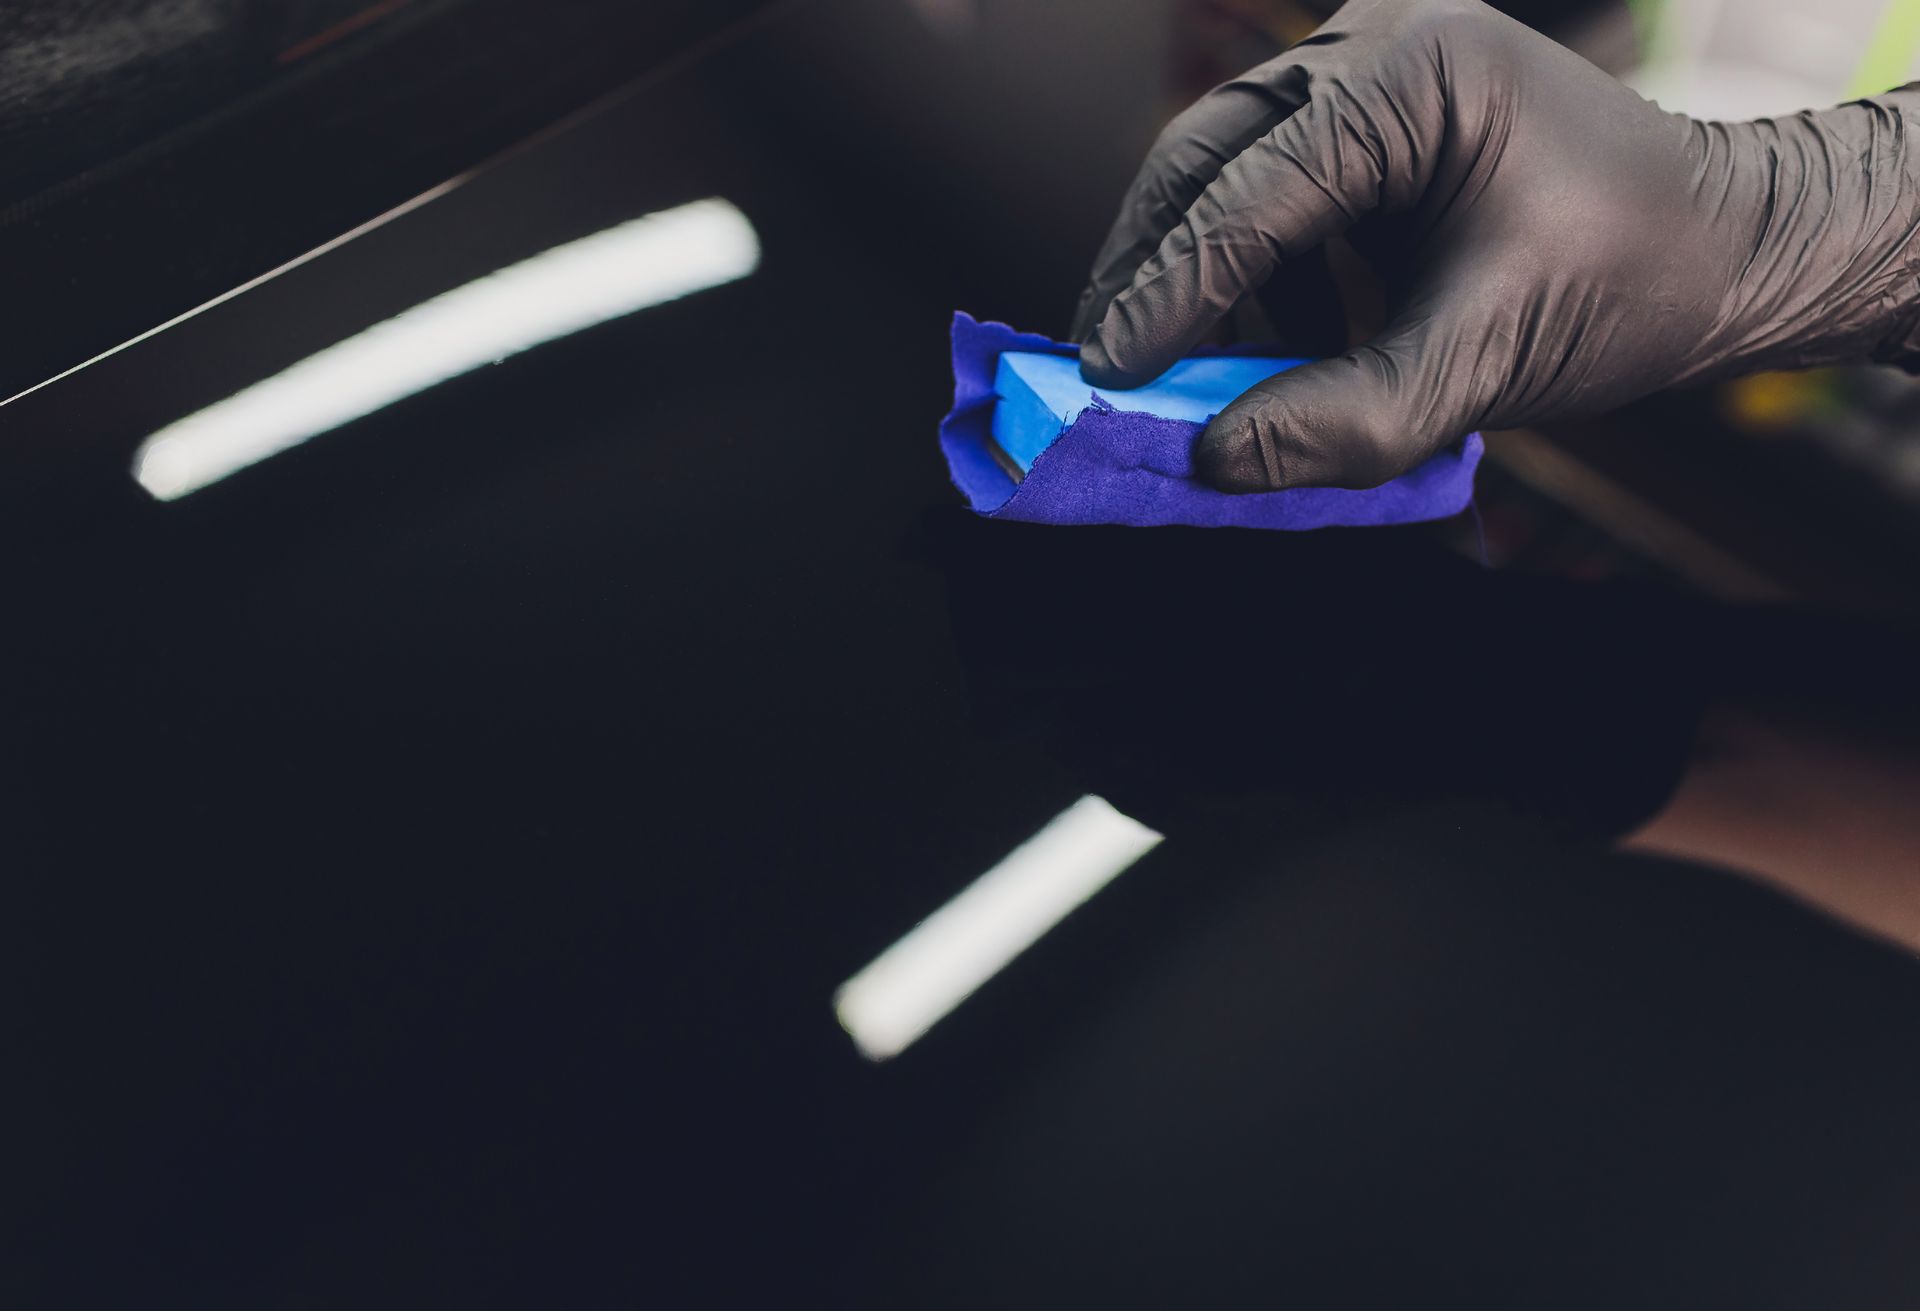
{"type": "Point", "coordinates": [1824, 814]}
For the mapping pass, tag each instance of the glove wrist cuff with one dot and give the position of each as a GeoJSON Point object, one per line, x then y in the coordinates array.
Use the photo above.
{"type": "Point", "coordinates": [1835, 275]}
{"type": "Point", "coordinates": [1898, 319]}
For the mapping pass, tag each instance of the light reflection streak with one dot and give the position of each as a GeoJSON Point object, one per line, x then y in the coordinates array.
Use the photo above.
{"type": "Point", "coordinates": [911, 985]}
{"type": "Point", "coordinates": [646, 261]}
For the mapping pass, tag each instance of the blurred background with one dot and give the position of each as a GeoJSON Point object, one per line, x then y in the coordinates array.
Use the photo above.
{"type": "Point", "coordinates": [497, 676]}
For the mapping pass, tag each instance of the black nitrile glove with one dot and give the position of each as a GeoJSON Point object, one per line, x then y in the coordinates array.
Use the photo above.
{"type": "Point", "coordinates": [1552, 243]}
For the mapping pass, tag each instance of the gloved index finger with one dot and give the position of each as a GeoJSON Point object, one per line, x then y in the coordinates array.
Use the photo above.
{"type": "Point", "coordinates": [1308, 179]}
{"type": "Point", "coordinates": [1186, 158]}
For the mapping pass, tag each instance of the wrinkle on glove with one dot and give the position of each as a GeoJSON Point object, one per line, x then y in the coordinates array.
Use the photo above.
{"type": "Point", "coordinates": [1113, 466]}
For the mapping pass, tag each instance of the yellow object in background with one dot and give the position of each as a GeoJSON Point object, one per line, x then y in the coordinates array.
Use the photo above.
{"type": "Point", "coordinates": [1770, 403]}
{"type": "Point", "coordinates": [1890, 54]}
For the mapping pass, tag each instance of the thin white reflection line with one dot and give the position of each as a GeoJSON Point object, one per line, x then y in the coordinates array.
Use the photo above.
{"type": "Point", "coordinates": [379, 220]}
{"type": "Point", "coordinates": [911, 985]}
{"type": "Point", "coordinates": [643, 262]}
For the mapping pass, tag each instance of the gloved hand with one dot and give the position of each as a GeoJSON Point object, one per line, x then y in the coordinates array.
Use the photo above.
{"type": "Point", "coordinates": [1552, 244]}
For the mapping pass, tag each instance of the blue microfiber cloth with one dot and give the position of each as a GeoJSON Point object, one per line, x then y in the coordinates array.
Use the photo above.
{"type": "Point", "coordinates": [1126, 457]}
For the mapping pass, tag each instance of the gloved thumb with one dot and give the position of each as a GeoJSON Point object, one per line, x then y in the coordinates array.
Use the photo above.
{"type": "Point", "coordinates": [1353, 420]}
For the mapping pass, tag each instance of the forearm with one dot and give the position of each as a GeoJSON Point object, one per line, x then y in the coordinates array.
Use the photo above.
{"type": "Point", "coordinates": [1821, 813]}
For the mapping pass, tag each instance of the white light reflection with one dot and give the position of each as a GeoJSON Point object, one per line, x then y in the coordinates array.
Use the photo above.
{"type": "Point", "coordinates": [644, 262]}
{"type": "Point", "coordinates": [916, 981]}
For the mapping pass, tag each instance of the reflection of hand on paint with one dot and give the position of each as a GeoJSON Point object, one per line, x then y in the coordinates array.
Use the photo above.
{"type": "Point", "coordinates": [1552, 243]}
